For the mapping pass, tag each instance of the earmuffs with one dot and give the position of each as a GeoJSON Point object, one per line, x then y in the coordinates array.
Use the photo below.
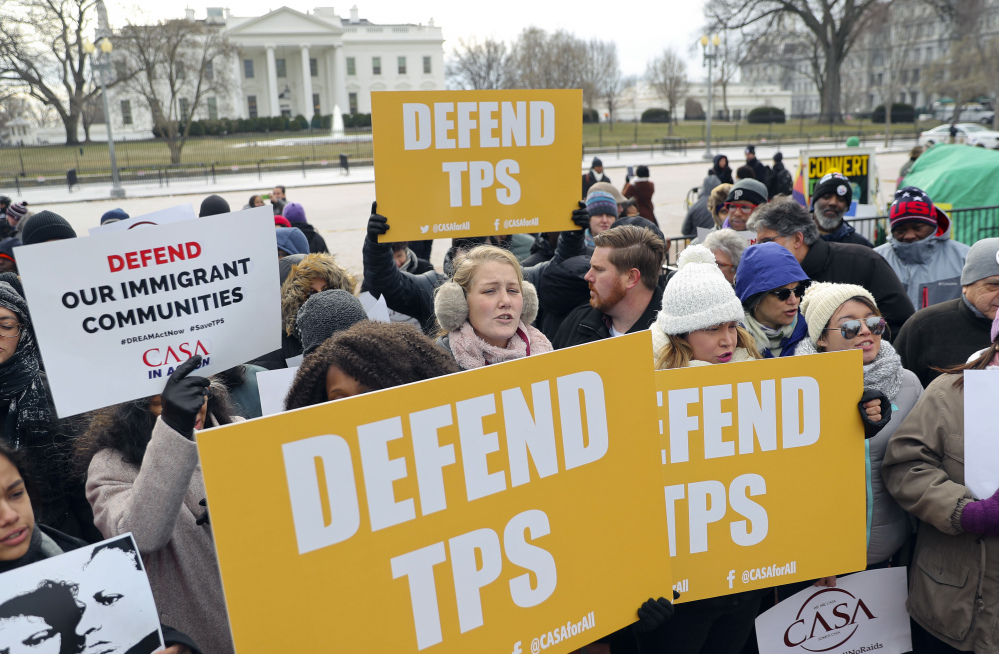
{"type": "Point", "coordinates": [451, 305]}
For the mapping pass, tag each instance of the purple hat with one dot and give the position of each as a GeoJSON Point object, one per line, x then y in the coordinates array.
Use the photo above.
{"type": "Point", "coordinates": [294, 212]}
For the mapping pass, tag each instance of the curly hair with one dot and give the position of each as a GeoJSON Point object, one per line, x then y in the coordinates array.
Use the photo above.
{"type": "Point", "coordinates": [297, 288]}
{"type": "Point", "coordinates": [378, 355]}
{"type": "Point", "coordinates": [128, 427]}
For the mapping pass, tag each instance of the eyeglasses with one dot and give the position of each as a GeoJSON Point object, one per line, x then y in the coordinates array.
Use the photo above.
{"type": "Point", "coordinates": [784, 293]}
{"type": "Point", "coordinates": [724, 266]}
{"type": "Point", "coordinates": [741, 208]}
{"type": "Point", "coordinates": [10, 330]}
{"type": "Point", "coordinates": [851, 328]}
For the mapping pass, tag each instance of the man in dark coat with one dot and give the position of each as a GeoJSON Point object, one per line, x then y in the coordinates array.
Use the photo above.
{"type": "Point", "coordinates": [759, 168]}
{"type": "Point", "coordinates": [596, 174]}
{"type": "Point", "coordinates": [624, 296]}
{"type": "Point", "coordinates": [832, 197]}
{"type": "Point", "coordinates": [785, 221]}
{"type": "Point", "coordinates": [947, 334]}
{"type": "Point", "coordinates": [295, 213]}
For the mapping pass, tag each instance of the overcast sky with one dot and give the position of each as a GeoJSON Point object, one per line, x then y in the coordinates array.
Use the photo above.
{"type": "Point", "coordinates": [640, 32]}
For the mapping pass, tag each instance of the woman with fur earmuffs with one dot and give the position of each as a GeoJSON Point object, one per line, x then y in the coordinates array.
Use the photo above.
{"type": "Point", "coordinates": [485, 311]}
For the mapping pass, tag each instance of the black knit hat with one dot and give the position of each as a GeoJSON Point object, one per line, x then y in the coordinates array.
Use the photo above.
{"type": "Point", "coordinates": [833, 184]}
{"type": "Point", "coordinates": [46, 226]}
{"type": "Point", "coordinates": [325, 314]}
{"type": "Point", "coordinates": [213, 205]}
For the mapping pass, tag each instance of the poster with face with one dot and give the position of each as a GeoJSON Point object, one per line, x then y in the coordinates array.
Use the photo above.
{"type": "Point", "coordinates": [94, 600]}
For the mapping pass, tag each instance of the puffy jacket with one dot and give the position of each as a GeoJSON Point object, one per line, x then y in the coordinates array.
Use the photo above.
{"type": "Point", "coordinates": [846, 233]}
{"type": "Point", "coordinates": [953, 587]}
{"type": "Point", "coordinates": [316, 242]}
{"type": "Point", "coordinates": [929, 269]}
{"type": "Point", "coordinates": [562, 289]}
{"type": "Point", "coordinates": [413, 295]}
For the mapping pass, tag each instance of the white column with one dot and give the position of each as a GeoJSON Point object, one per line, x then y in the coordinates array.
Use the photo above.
{"type": "Point", "coordinates": [272, 82]}
{"type": "Point", "coordinates": [340, 78]}
{"type": "Point", "coordinates": [307, 107]}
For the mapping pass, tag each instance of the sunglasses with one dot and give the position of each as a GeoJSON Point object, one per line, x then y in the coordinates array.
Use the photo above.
{"type": "Point", "coordinates": [784, 293]}
{"type": "Point", "coordinates": [851, 328]}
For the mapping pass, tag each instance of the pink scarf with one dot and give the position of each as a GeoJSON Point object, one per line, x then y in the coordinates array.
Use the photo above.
{"type": "Point", "coordinates": [470, 351]}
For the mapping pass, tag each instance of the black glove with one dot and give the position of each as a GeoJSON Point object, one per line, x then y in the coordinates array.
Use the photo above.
{"type": "Point", "coordinates": [653, 613]}
{"type": "Point", "coordinates": [183, 397]}
{"type": "Point", "coordinates": [871, 429]}
{"type": "Point", "coordinates": [377, 225]}
{"type": "Point", "coordinates": [580, 216]}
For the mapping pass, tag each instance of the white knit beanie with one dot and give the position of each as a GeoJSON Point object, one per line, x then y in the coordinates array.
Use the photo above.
{"type": "Point", "coordinates": [698, 296]}
{"type": "Point", "coordinates": [823, 299]}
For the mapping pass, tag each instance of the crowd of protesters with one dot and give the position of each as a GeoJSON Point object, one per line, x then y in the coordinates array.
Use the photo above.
{"type": "Point", "coordinates": [921, 308]}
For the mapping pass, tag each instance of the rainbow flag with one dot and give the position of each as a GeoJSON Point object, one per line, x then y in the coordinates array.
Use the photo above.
{"type": "Point", "coordinates": [799, 185]}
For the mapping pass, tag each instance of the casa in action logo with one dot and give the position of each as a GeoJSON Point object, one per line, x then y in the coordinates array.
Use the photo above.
{"type": "Point", "coordinates": [826, 620]}
{"type": "Point", "coordinates": [163, 360]}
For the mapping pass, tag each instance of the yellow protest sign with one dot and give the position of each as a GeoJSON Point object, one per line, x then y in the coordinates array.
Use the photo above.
{"type": "Point", "coordinates": [476, 163]}
{"type": "Point", "coordinates": [516, 507]}
{"type": "Point", "coordinates": [856, 164]}
{"type": "Point", "coordinates": [765, 472]}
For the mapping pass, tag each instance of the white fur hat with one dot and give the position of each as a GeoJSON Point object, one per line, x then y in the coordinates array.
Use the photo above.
{"type": "Point", "coordinates": [698, 296]}
{"type": "Point", "coordinates": [821, 301]}
{"type": "Point", "coordinates": [451, 305]}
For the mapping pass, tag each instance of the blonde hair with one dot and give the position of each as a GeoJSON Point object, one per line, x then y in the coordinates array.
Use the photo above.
{"type": "Point", "coordinates": [466, 265]}
{"type": "Point", "coordinates": [677, 353]}
{"type": "Point", "coordinates": [717, 198]}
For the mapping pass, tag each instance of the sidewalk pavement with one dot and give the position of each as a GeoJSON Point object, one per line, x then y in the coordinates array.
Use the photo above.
{"type": "Point", "coordinates": [632, 156]}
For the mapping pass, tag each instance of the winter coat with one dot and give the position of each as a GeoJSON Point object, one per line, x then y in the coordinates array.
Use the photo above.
{"type": "Point", "coordinates": [562, 289]}
{"type": "Point", "coordinates": [698, 215]}
{"type": "Point", "coordinates": [930, 268]}
{"type": "Point", "coordinates": [953, 586]}
{"type": "Point", "coordinates": [760, 169]}
{"type": "Point", "coordinates": [47, 542]}
{"type": "Point", "coordinates": [587, 325]}
{"type": "Point", "coordinates": [413, 295]}
{"type": "Point", "coordinates": [541, 250]}
{"type": "Point", "coordinates": [316, 242]}
{"type": "Point", "coordinates": [159, 504]}
{"type": "Point", "coordinates": [847, 263]}
{"type": "Point", "coordinates": [589, 179]}
{"type": "Point", "coordinates": [941, 336]}
{"type": "Point", "coordinates": [724, 175]}
{"type": "Point", "coordinates": [781, 182]}
{"type": "Point", "coordinates": [890, 525]}
{"type": "Point", "coordinates": [846, 233]}
{"type": "Point", "coordinates": [641, 190]}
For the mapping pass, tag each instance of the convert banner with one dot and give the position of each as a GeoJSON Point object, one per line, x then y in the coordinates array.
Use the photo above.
{"type": "Point", "coordinates": [512, 508]}
{"type": "Point", "coordinates": [476, 163]}
{"type": "Point", "coordinates": [864, 612]}
{"type": "Point", "coordinates": [857, 165]}
{"type": "Point", "coordinates": [114, 314]}
{"type": "Point", "coordinates": [765, 472]}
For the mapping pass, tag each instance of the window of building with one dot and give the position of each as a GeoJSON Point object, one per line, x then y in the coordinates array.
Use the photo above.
{"type": "Point", "coordinates": [180, 70]}
{"type": "Point", "coordinates": [315, 104]}
{"type": "Point", "coordinates": [282, 69]}
{"type": "Point", "coordinates": [126, 112]}
{"type": "Point", "coordinates": [376, 65]}
{"type": "Point", "coordinates": [251, 106]}
{"type": "Point", "coordinates": [352, 102]}
{"type": "Point", "coordinates": [182, 107]}
{"type": "Point", "coordinates": [881, 78]}
{"type": "Point", "coordinates": [915, 76]}
{"type": "Point", "coordinates": [426, 65]}
{"type": "Point", "coordinates": [351, 66]}
{"type": "Point", "coordinates": [286, 111]}
{"type": "Point", "coordinates": [402, 65]}
{"type": "Point", "coordinates": [314, 67]}
{"type": "Point", "coordinates": [209, 71]}
{"type": "Point", "coordinates": [248, 68]}
{"type": "Point", "coordinates": [213, 108]}
{"type": "Point", "coordinates": [120, 69]}
{"type": "Point", "coordinates": [915, 98]}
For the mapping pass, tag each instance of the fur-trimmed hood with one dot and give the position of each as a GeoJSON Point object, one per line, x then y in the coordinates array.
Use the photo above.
{"type": "Point", "coordinates": [297, 287]}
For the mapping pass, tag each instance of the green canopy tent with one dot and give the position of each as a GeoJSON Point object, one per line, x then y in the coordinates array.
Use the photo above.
{"type": "Point", "coordinates": [963, 177]}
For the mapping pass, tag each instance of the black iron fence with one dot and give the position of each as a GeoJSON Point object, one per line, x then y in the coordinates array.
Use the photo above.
{"type": "Point", "coordinates": [974, 224]}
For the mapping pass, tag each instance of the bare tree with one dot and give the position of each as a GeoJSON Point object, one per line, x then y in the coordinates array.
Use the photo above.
{"type": "Point", "coordinates": [832, 27]}
{"type": "Point", "coordinates": [888, 37]}
{"type": "Point", "coordinates": [540, 60]}
{"type": "Point", "coordinates": [667, 75]}
{"type": "Point", "coordinates": [478, 66]}
{"type": "Point", "coordinates": [177, 64]}
{"type": "Point", "coordinates": [41, 46]}
{"type": "Point", "coordinates": [604, 73]}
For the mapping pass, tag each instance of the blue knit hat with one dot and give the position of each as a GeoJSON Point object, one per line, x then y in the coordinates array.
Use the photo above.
{"type": "Point", "coordinates": [114, 216]}
{"type": "Point", "coordinates": [291, 240]}
{"type": "Point", "coordinates": [601, 203]}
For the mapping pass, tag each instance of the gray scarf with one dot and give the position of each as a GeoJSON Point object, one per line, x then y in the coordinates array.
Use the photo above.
{"type": "Point", "coordinates": [883, 374]}
{"type": "Point", "coordinates": [767, 338]}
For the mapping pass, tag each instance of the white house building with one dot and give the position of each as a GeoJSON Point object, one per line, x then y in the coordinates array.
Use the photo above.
{"type": "Point", "coordinates": [741, 98]}
{"type": "Point", "coordinates": [291, 63]}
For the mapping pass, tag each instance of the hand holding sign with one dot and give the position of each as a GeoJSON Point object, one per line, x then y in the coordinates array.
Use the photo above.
{"type": "Point", "coordinates": [184, 396]}
{"type": "Point", "coordinates": [377, 225]}
{"type": "Point", "coordinates": [580, 216]}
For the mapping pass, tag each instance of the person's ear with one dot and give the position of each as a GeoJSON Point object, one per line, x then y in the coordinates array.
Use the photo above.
{"type": "Point", "coordinates": [799, 240]}
{"type": "Point", "coordinates": [634, 277]}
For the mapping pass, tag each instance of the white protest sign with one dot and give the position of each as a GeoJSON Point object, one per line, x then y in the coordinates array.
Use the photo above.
{"type": "Point", "coordinates": [162, 217]}
{"type": "Point", "coordinates": [273, 386]}
{"type": "Point", "coordinates": [96, 598]}
{"type": "Point", "coordinates": [377, 310]}
{"type": "Point", "coordinates": [981, 437]}
{"type": "Point", "coordinates": [865, 612]}
{"type": "Point", "coordinates": [115, 315]}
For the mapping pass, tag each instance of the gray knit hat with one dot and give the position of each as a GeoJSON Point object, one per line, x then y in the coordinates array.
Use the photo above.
{"type": "Point", "coordinates": [982, 261]}
{"type": "Point", "coordinates": [325, 314]}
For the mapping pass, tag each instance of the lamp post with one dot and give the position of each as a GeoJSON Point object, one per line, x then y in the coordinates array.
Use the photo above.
{"type": "Point", "coordinates": [710, 54]}
{"type": "Point", "coordinates": [104, 43]}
